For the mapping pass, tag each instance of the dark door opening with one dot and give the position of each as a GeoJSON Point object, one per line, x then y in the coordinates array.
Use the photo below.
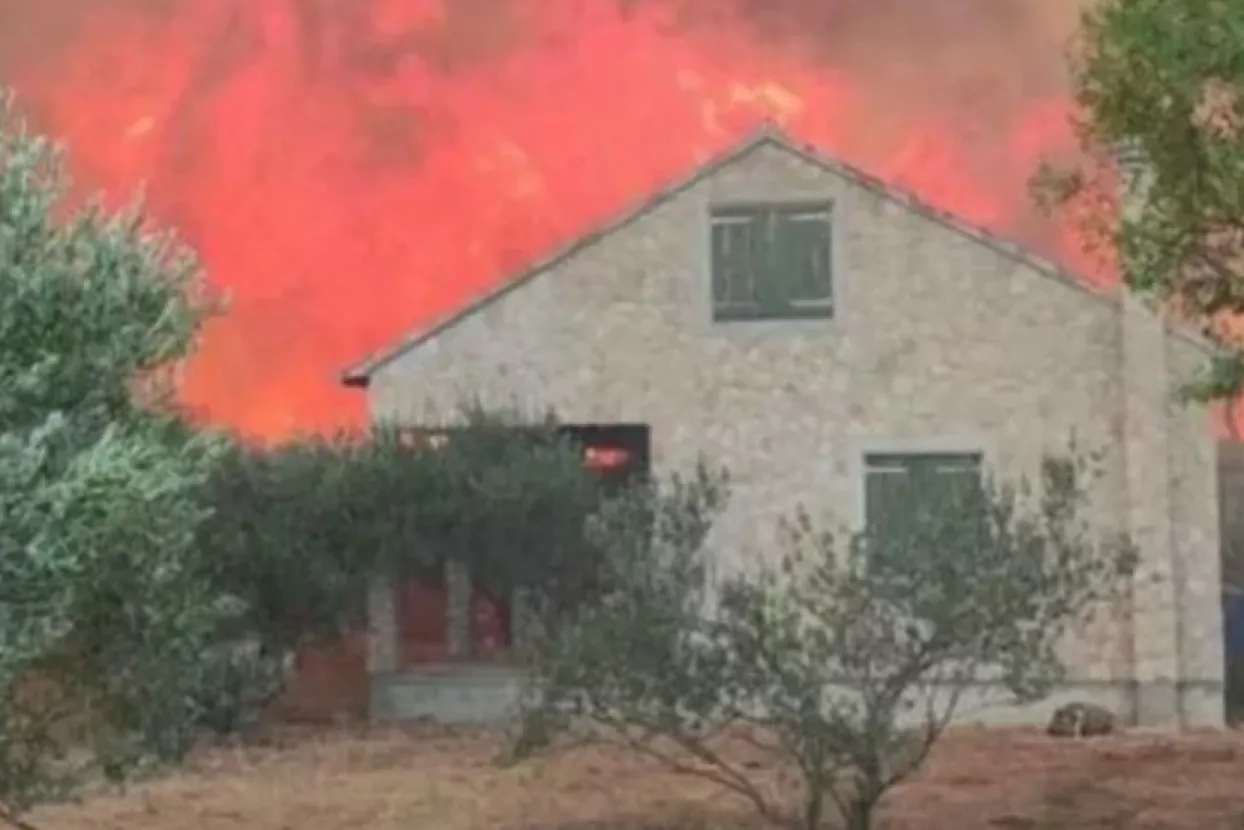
{"type": "Point", "coordinates": [618, 453]}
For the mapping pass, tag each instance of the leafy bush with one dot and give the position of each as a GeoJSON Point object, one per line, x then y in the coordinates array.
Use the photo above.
{"type": "Point", "coordinates": [297, 530]}
{"type": "Point", "coordinates": [239, 681]}
{"type": "Point", "coordinates": [102, 616]}
{"type": "Point", "coordinates": [841, 666]}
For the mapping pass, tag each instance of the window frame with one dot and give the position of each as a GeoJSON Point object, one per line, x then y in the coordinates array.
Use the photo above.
{"type": "Point", "coordinates": [786, 306]}
{"type": "Point", "coordinates": [879, 461]}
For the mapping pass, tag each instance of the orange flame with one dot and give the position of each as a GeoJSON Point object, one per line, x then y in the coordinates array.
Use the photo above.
{"type": "Point", "coordinates": [350, 169]}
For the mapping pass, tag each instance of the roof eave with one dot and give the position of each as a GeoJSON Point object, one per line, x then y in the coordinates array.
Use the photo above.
{"type": "Point", "coordinates": [355, 379]}
{"type": "Point", "coordinates": [360, 375]}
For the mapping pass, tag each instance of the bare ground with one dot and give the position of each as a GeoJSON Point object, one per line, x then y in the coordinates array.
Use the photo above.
{"type": "Point", "coordinates": [426, 778]}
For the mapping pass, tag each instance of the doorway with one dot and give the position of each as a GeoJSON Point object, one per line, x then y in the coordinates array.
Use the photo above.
{"type": "Point", "coordinates": [618, 454]}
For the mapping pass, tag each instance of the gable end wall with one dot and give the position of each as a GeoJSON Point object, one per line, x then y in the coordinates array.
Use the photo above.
{"type": "Point", "coordinates": [939, 342]}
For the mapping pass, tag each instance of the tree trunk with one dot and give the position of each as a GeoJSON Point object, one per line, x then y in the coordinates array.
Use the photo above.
{"type": "Point", "coordinates": [860, 815]}
{"type": "Point", "coordinates": [814, 808]}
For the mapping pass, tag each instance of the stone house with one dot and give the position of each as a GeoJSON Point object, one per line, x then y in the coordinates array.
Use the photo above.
{"type": "Point", "coordinates": [814, 330]}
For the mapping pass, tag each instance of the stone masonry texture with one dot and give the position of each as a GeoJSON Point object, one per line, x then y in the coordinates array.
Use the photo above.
{"type": "Point", "coordinates": [939, 341]}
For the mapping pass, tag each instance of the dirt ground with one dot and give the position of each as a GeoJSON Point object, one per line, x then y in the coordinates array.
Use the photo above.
{"type": "Point", "coordinates": [403, 780]}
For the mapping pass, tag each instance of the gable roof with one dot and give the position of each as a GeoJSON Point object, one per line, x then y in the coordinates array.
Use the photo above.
{"type": "Point", "coordinates": [771, 136]}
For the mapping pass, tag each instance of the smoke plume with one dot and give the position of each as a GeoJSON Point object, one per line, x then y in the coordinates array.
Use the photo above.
{"type": "Point", "coordinates": [349, 169]}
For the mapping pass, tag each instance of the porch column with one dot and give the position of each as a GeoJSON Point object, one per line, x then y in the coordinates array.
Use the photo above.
{"type": "Point", "coordinates": [382, 637]}
{"type": "Point", "coordinates": [458, 609]}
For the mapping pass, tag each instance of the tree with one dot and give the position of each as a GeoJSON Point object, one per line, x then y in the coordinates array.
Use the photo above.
{"type": "Point", "coordinates": [840, 668]}
{"type": "Point", "coordinates": [287, 537]}
{"type": "Point", "coordinates": [297, 531]}
{"type": "Point", "coordinates": [102, 619]}
{"type": "Point", "coordinates": [1163, 82]}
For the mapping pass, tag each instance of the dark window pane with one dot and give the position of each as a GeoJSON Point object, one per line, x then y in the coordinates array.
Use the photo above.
{"type": "Point", "coordinates": [903, 493]}
{"type": "Point", "coordinates": [736, 247]}
{"type": "Point", "coordinates": [885, 493]}
{"type": "Point", "coordinates": [771, 260]}
{"type": "Point", "coordinates": [803, 245]}
{"type": "Point", "coordinates": [769, 294]}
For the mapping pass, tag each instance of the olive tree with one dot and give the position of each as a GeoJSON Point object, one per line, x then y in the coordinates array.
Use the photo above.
{"type": "Point", "coordinates": [1160, 84]}
{"type": "Point", "coordinates": [102, 618]}
{"type": "Point", "coordinates": [298, 530]}
{"type": "Point", "coordinates": [836, 670]}
{"type": "Point", "coordinates": [1158, 87]}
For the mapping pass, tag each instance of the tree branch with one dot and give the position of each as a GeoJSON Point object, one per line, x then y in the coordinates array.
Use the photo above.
{"type": "Point", "coordinates": [721, 773]}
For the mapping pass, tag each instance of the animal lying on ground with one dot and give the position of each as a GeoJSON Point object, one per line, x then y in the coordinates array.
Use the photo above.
{"type": "Point", "coordinates": [1081, 720]}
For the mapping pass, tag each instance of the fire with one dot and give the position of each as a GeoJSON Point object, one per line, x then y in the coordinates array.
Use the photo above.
{"type": "Point", "coordinates": [350, 169]}
{"type": "Point", "coordinates": [605, 458]}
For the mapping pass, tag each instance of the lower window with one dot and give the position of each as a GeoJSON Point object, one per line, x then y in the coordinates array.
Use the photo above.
{"type": "Point", "coordinates": [901, 490]}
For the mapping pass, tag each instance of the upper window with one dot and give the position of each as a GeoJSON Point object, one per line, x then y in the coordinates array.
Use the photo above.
{"type": "Point", "coordinates": [772, 261]}
{"type": "Point", "coordinates": [902, 490]}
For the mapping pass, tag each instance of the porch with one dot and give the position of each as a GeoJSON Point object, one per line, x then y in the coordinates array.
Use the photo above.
{"type": "Point", "coordinates": [441, 646]}
{"type": "Point", "coordinates": [459, 671]}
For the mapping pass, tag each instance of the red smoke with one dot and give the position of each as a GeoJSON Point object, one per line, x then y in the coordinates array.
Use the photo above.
{"type": "Point", "coordinates": [349, 169]}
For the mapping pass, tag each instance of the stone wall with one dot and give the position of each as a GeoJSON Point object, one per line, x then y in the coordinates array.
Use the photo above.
{"type": "Point", "coordinates": [942, 340]}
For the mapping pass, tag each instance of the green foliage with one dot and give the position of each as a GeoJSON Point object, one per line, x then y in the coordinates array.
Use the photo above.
{"type": "Point", "coordinates": [289, 537]}
{"type": "Point", "coordinates": [93, 302]}
{"type": "Point", "coordinates": [102, 617]}
{"type": "Point", "coordinates": [631, 650]}
{"type": "Point", "coordinates": [515, 499]}
{"type": "Point", "coordinates": [297, 530]}
{"type": "Point", "coordinates": [843, 665]}
{"type": "Point", "coordinates": [238, 681]}
{"type": "Point", "coordinates": [1164, 80]}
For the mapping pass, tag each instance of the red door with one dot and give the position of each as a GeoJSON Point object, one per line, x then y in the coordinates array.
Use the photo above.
{"type": "Point", "coordinates": [491, 634]}
{"type": "Point", "coordinates": [423, 619]}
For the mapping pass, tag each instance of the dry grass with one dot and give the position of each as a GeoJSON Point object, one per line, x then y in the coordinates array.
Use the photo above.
{"type": "Point", "coordinates": [424, 778]}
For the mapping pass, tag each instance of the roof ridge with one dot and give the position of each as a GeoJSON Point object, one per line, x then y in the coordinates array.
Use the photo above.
{"type": "Point", "coordinates": [768, 132]}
